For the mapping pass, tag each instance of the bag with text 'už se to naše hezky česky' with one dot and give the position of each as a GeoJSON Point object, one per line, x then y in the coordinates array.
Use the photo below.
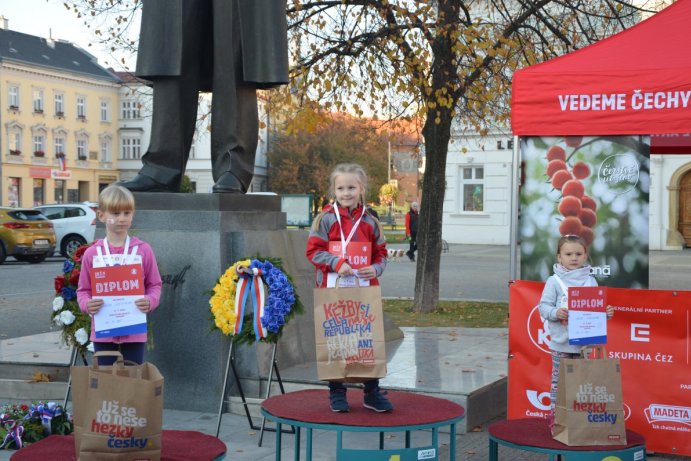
{"type": "Point", "coordinates": [589, 409]}
{"type": "Point", "coordinates": [117, 410]}
{"type": "Point", "coordinates": [349, 333]}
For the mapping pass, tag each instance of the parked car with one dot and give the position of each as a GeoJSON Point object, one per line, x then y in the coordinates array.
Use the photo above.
{"type": "Point", "coordinates": [26, 235]}
{"type": "Point", "coordinates": [74, 224]}
{"type": "Point", "coordinates": [92, 205]}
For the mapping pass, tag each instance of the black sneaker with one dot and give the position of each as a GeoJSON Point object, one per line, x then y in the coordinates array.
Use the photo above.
{"type": "Point", "coordinates": [376, 400]}
{"type": "Point", "coordinates": [338, 401]}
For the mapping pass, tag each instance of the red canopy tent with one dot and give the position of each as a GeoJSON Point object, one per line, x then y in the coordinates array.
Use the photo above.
{"type": "Point", "coordinates": [636, 82]}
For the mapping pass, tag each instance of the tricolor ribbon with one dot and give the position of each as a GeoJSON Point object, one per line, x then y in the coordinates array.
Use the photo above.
{"type": "Point", "coordinates": [250, 284]}
{"type": "Point", "coordinates": [46, 412]}
{"type": "Point", "coordinates": [14, 431]}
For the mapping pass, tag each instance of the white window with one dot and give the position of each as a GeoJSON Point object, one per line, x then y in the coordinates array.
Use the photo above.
{"type": "Point", "coordinates": [81, 149]}
{"type": "Point", "coordinates": [59, 104]}
{"type": "Point", "coordinates": [131, 148]}
{"type": "Point", "coordinates": [130, 110]}
{"type": "Point", "coordinates": [15, 139]}
{"type": "Point", "coordinates": [59, 145]}
{"type": "Point", "coordinates": [105, 111]}
{"type": "Point", "coordinates": [472, 188]}
{"type": "Point", "coordinates": [81, 106]}
{"type": "Point", "coordinates": [13, 96]}
{"type": "Point", "coordinates": [38, 100]}
{"type": "Point", "coordinates": [105, 151]}
{"type": "Point", "coordinates": [39, 144]}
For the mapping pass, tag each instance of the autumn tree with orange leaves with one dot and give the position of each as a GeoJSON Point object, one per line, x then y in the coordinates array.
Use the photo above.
{"type": "Point", "coordinates": [446, 62]}
{"type": "Point", "coordinates": [301, 160]}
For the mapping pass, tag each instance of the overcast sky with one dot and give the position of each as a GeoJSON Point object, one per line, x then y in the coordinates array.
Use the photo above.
{"type": "Point", "coordinates": [43, 17]}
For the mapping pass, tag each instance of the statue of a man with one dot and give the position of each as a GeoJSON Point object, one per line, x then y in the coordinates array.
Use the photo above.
{"type": "Point", "coordinates": [228, 47]}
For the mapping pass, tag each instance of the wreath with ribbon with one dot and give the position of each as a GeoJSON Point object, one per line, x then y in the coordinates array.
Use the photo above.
{"type": "Point", "coordinates": [243, 283]}
{"type": "Point", "coordinates": [23, 424]}
{"type": "Point", "coordinates": [75, 324]}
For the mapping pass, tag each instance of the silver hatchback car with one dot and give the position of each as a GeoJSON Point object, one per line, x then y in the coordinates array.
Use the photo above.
{"type": "Point", "coordinates": [74, 224]}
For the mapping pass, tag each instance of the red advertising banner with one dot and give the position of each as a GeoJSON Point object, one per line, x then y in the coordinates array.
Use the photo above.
{"type": "Point", "coordinates": [650, 334]}
{"type": "Point", "coordinates": [39, 172]}
{"type": "Point", "coordinates": [630, 83]}
{"type": "Point", "coordinates": [673, 143]}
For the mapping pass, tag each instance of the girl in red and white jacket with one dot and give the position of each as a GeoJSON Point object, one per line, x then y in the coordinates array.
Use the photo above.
{"type": "Point", "coordinates": [339, 227]}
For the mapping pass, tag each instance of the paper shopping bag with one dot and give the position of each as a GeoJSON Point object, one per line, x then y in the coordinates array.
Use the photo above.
{"type": "Point", "coordinates": [589, 408]}
{"type": "Point", "coordinates": [349, 332]}
{"type": "Point", "coordinates": [117, 411]}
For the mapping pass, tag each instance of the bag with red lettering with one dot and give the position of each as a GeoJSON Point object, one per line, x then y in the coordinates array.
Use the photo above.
{"type": "Point", "coordinates": [117, 410]}
{"type": "Point", "coordinates": [589, 409]}
{"type": "Point", "coordinates": [349, 333]}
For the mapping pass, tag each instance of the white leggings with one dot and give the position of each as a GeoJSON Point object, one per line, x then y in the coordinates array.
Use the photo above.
{"type": "Point", "coordinates": [556, 359]}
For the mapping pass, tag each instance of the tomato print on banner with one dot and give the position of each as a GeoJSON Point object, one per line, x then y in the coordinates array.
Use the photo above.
{"type": "Point", "coordinates": [594, 187]}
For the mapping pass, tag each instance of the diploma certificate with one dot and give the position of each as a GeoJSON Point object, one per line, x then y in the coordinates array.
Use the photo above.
{"type": "Point", "coordinates": [587, 315]}
{"type": "Point", "coordinates": [119, 287]}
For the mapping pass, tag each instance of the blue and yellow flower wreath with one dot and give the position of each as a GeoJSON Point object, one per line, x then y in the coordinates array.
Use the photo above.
{"type": "Point", "coordinates": [243, 281]}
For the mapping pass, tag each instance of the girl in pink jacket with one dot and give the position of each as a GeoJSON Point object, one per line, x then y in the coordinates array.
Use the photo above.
{"type": "Point", "coordinates": [116, 210]}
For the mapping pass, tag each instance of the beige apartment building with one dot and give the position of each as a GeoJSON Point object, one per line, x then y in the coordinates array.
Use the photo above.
{"type": "Point", "coordinates": [58, 121]}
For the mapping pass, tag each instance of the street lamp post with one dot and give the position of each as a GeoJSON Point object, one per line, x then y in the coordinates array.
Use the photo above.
{"type": "Point", "coordinates": [388, 166]}
{"type": "Point", "coordinates": [388, 179]}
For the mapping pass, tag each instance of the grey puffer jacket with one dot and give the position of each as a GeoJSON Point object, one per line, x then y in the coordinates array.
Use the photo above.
{"type": "Point", "coordinates": [551, 300]}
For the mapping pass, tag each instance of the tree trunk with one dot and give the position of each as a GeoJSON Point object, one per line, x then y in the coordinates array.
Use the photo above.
{"type": "Point", "coordinates": [431, 213]}
{"type": "Point", "coordinates": [437, 133]}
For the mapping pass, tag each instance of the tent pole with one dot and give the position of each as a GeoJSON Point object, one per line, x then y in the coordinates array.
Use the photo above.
{"type": "Point", "coordinates": [514, 270]}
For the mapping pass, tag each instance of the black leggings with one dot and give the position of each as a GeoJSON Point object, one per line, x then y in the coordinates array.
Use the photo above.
{"type": "Point", "coordinates": [369, 385]}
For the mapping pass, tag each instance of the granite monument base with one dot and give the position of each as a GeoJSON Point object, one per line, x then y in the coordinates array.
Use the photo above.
{"type": "Point", "coordinates": [195, 238]}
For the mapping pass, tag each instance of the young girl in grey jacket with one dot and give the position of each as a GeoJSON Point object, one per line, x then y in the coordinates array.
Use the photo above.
{"type": "Point", "coordinates": [571, 270]}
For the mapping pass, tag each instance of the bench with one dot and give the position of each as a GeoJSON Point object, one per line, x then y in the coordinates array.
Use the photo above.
{"type": "Point", "coordinates": [388, 220]}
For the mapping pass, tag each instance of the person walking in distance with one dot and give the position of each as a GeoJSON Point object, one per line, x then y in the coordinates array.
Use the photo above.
{"type": "Point", "coordinates": [411, 229]}
{"type": "Point", "coordinates": [228, 47]}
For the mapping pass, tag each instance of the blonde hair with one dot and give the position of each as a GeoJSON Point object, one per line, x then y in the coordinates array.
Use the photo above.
{"type": "Point", "coordinates": [115, 198]}
{"type": "Point", "coordinates": [359, 173]}
{"type": "Point", "coordinates": [349, 168]}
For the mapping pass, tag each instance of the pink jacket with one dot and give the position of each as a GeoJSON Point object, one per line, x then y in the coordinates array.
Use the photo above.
{"type": "Point", "coordinates": [152, 283]}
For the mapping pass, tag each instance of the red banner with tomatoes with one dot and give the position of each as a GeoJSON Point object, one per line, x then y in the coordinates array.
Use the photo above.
{"type": "Point", "coordinates": [650, 334]}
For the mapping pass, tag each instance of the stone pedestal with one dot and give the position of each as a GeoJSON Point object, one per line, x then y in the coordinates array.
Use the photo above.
{"type": "Point", "coordinates": [195, 238]}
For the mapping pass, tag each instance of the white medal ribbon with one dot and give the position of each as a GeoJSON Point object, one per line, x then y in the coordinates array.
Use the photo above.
{"type": "Point", "coordinates": [346, 241]}
{"type": "Point", "coordinates": [108, 260]}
